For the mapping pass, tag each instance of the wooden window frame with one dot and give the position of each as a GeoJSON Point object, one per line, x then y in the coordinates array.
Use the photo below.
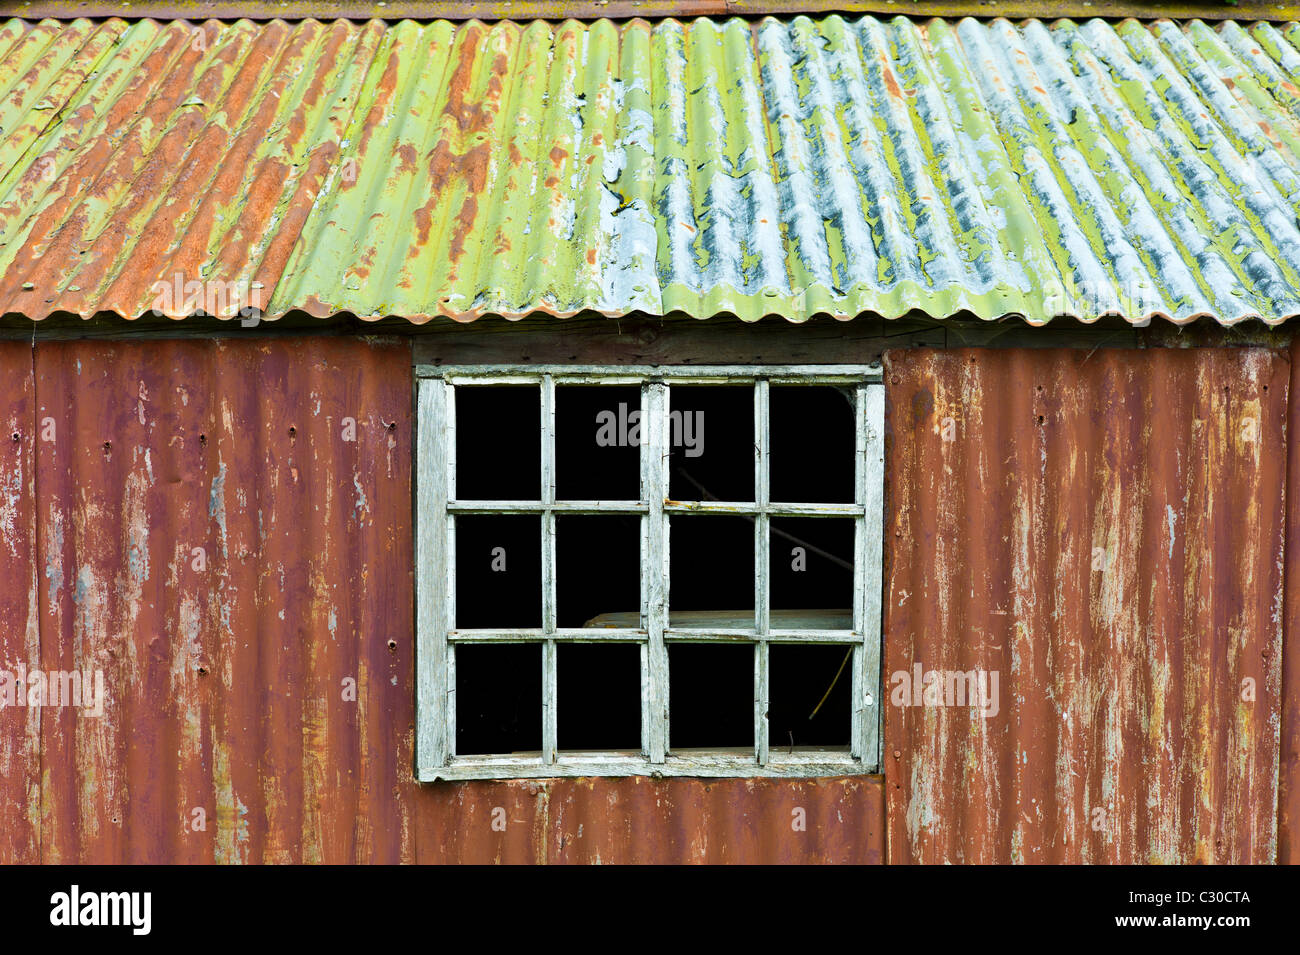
{"type": "Point", "coordinates": [436, 510]}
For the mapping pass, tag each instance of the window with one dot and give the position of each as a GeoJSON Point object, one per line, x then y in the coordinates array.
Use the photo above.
{"type": "Point", "coordinates": [658, 570]}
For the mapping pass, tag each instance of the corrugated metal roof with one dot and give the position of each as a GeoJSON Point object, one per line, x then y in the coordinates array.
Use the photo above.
{"type": "Point", "coordinates": [793, 168]}
{"type": "Point", "coordinates": [619, 9]}
{"type": "Point", "coordinates": [1120, 574]}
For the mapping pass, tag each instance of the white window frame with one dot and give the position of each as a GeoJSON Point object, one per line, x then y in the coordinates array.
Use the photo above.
{"type": "Point", "coordinates": [437, 509]}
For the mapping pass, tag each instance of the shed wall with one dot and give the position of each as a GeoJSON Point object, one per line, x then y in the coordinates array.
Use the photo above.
{"type": "Point", "coordinates": [227, 736]}
{"type": "Point", "coordinates": [1289, 762]}
{"type": "Point", "coordinates": [1123, 735]}
{"type": "Point", "coordinates": [20, 779]}
{"type": "Point", "coordinates": [1157, 475]}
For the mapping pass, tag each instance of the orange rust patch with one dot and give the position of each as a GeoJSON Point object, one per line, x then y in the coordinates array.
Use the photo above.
{"type": "Point", "coordinates": [463, 225]}
{"type": "Point", "coordinates": [406, 158]}
{"type": "Point", "coordinates": [891, 84]}
{"type": "Point", "coordinates": [446, 167]}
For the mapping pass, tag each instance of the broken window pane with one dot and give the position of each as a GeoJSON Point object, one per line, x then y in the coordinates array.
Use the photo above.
{"type": "Point", "coordinates": [498, 698]}
{"type": "Point", "coordinates": [809, 696]}
{"type": "Point", "coordinates": [498, 571]}
{"type": "Point", "coordinates": [812, 436]}
{"type": "Point", "coordinates": [711, 431]}
{"type": "Point", "coordinates": [711, 696]}
{"type": "Point", "coordinates": [711, 568]}
{"type": "Point", "coordinates": [599, 697]}
{"type": "Point", "coordinates": [811, 561]}
{"type": "Point", "coordinates": [597, 443]}
{"type": "Point", "coordinates": [498, 443]}
{"type": "Point", "coordinates": [598, 570]}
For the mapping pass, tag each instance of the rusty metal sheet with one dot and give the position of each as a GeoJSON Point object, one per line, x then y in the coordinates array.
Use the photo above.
{"type": "Point", "coordinates": [392, 10]}
{"type": "Point", "coordinates": [20, 729]}
{"type": "Point", "coordinates": [224, 533]}
{"type": "Point", "coordinates": [1103, 533]}
{"type": "Point", "coordinates": [814, 166]}
{"type": "Point", "coordinates": [260, 699]}
{"type": "Point", "coordinates": [654, 821]}
{"type": "Point", "coordinates": [1288, 815]}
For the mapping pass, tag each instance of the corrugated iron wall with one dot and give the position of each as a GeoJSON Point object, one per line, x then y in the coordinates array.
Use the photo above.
{"type": "Point", "coordinates": [1157, 476]}
{"type": "Point", "coordinates": [224, 666]}
{"type": "Point", "coordinates": [227, 670]}
{"type": "Point", "coordinates": [1288, 816]}
{"type": "Point", "coordinates": [20, 777]}
{"type": "Point", "coordinates": [1104, 531]}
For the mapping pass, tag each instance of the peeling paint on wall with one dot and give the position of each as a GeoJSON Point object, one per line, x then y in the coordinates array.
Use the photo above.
{"type": "Point", "coordinates": [1105, 531]}
{"type": "Point", "coordinates": [228, 734]}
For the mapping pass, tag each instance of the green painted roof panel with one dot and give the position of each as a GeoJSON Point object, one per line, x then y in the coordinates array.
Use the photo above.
{"type": "Point", "coordinates": [831, 166]}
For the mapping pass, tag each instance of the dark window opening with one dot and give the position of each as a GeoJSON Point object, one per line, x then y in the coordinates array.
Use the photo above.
{"type": "Point", "coordinates": [810, 562]}
{"type": "Point", "coordinates": [710, 696]}
{"type": "Point", "coordinates": [812, 437]}
{"type": "Point", "coordinates": [598, 570]}
{"type": "Point", "coordinates": [711, 437]}
{"type": "Point", "coordinates": [498, 443]}
{"type": "Point", "coordinates": [498, 698]}
{"type": "Point", "coordinates": [810, 688]}
{"type": "Point", "coordinates": [597, 443]}
{"type": "Point", "coordinates": [498, 571]}
{"type": "Point", "coordinates": [711, 571]}
{"type": "Point", "coordinates": [598, 697]}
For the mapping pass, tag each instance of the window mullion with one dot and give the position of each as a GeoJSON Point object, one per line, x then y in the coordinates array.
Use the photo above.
{"type": "Point", "coordinates": [550, 723]}
{"type": "Point", "coordinates": [449, 557]}
{"type": "Point", "coordinates": [762, 566]}
{"type": "Point", "coordinates": [654, 485]}
{"type": "Point", "coordinates": [868, 571]}
{"type": "Point", "coordinates": [437, 442]}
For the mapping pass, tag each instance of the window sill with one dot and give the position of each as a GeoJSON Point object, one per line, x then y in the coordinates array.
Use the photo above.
{"type": "Point", "coordinates": [799, 764]}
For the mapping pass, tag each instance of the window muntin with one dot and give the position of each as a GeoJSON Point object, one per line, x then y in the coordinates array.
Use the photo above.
{"type": "Point", "coordinates": [656, 627]}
